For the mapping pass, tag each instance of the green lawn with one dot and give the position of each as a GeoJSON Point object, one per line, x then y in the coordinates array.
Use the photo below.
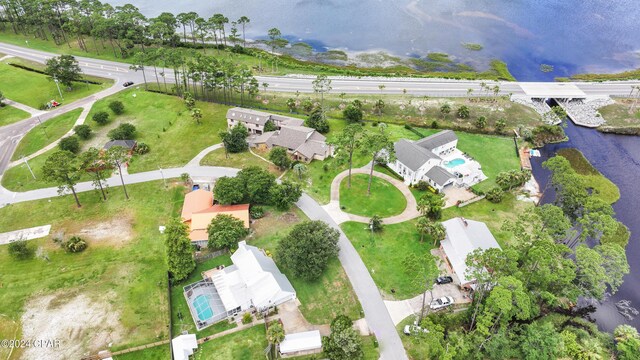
{"type": "Point", "coordinates": [321, 300]}
{"type": "Point", "coordinates": [247, 344]}
{"type": "Point", "coordinates": [154, 353]}
{"type": "Point", "coordinates": [601, 187]}
{"type": "Point", "coordinates": [46, 133]}
{"type": "Point", "coordinates": [10, 115]}
{"type": "Point", "coordinates": [163, 123]}
{"type": "Point", "coordinates": [19, 85]}
{"type": "Point", "coordinates": [385, 199]}
{"type": "Point", "coordinates": [239, 160]}
{"type": "Point", "coordinates": [132, 272]}
{"type": "Point", "coordinates": [385, 252]}
{"type": "Point", "coordinates": [370, 351]}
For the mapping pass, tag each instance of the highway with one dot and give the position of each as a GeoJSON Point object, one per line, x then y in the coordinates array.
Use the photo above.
{"type": "Point", "coordinates": [413, 86]}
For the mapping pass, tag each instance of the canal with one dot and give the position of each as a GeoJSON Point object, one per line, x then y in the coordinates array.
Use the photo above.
{"type": "Point", "coordinates": [618, 158]}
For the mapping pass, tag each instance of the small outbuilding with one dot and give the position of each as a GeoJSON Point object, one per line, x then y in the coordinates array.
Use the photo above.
{"type": "Point", "coordinates": [130, 145]}
{"type": "Point", "coordinates": [302, 343]}
{"type": "Point", "coordinates": [183, 346]}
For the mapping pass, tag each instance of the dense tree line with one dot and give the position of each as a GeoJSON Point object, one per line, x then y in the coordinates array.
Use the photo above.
{"type": "Point", "coordinates": [148, 42]}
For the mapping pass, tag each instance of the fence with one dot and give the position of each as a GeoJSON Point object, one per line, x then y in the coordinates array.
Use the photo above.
{"type": "Point", "coordinates": [200, 258]}
{"type": "Point", "coordinates": [471, 201]}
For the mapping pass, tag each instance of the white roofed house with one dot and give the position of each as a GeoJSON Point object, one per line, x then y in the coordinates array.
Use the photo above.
{"type": "Point", "coordinates": [436, 160]}
{"type": "Point", "coordinates": [253, 282]}
{"type": "Point", "coordinates": [463, 237]}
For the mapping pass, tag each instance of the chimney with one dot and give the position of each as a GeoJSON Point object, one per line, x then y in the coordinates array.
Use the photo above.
{"type": "Point", "coordinates": [464, 221]}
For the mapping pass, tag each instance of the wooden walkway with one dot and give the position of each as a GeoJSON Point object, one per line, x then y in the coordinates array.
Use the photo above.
{"type": "Point", "coordinates": [525, 159]}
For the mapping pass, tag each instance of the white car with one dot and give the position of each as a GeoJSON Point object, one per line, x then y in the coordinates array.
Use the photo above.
{"type": "Point", "coordinates": [409, 329]}
{"type": "Point", "coordinates": [441, 303]}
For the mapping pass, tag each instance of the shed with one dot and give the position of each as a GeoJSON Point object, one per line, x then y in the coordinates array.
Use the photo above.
{"type": "Point", "coordinates": [302, 341]}
{"type": "Point", "coordinates": [183, 346]}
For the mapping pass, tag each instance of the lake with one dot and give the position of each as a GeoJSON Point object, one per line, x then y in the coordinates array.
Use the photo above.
{"type": "Point", "coordinates": [573, 36]}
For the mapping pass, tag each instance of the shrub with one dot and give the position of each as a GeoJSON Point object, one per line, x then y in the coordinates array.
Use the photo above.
{"type": "Point", "coordinates": [463, 112]}
{"type": "Point", "coordinates": [142, 148]}
{"type": "Point", "coordinates": [117, 107]}
{"type": "Point", "coordinates": [256, 212]}
{"type": "Point", "coordinates": [434, 124]}
{"type": "Point", "coordinates": [70, 143]}
{"type": "Point", "coordinates": [280, 158]}
{"type": "Point", "coordinates": [352, 113]}
{"type": "Point", "coordinates": [19, 250]}
{"type": "Point", "coordinates": [124, 131]}
{"type": "Point", "coordinates": [83, 131]}
{"type": "Point", "coordinates": [375, 223]}
{"type": "Point", "coordinates": [75, 244]}
{"type": "Point", "coordinates": [481, 122]}
{"type": "Point", "coordinates": [101, 117]}
{"type": "Point", "coordinates": [422, 185]}
{"type": "Point", "coordinates": [495, 195]}
{"type": "Point", "coordinates": [246, 318]}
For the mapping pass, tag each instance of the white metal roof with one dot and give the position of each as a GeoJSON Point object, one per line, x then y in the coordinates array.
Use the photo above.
{"type": "Point", "coordinates": [463, 237]}
{"type": "Point", "coordinates": [551, 90]}
{"type": "Point", "coordinates": [302, 341]}
{"type": "Point", "coordinates": [183, 346]}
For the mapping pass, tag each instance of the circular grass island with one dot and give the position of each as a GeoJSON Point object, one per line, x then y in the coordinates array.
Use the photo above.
{"type": "Point", "coordinates": [385, 199]}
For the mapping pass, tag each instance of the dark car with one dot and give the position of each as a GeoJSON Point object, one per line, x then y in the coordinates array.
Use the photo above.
{"type": "Point", "coordinates": [127, 84]}
{"type": "Point", "coordinates": [444, 280]}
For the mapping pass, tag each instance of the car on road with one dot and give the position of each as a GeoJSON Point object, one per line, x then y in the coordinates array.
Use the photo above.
{"type": "Point", "coordinates": [444, 280]}
{"type": "Point", "coordinates": [127, 84]}
{"type": "Point", "coordinates": [441, 303]}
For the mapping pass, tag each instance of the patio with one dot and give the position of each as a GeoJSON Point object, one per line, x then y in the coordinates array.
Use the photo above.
{"type": "Point", "coordinates": [469, 172]}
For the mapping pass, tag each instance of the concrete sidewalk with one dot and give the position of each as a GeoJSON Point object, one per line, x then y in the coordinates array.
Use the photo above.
{"type": "Point", "coordinates": [23, 107]}
{"type": "Point", "coordinates": [25, 234]}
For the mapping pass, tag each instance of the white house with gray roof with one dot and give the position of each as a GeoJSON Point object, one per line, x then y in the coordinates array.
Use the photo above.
{"type": "Point", "coordinates": [424, 159]}
{"type": "Point", "coordinates": [463, 237]}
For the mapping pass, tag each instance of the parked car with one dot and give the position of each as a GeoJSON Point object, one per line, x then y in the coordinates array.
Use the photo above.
{"type": "Point", "coordinates": [127, 84]}
{"type": "Point", "coordinates": [413, 329]}
{"type": "Point", "coordinates": [441, 303]}
{"type": "Point", "coordinates": [444, 280]}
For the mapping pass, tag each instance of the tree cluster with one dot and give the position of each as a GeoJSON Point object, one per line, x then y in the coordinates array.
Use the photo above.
{"type": "Point", "coordinates": [178, 248]}
{"type": "Point", "coordinates": [235, 139]}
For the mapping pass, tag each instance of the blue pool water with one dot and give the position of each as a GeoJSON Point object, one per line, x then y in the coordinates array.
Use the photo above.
{"type": "Point", "coordinates": [201, 304]}
{"type": "Point", "coordinates": [455, 162]}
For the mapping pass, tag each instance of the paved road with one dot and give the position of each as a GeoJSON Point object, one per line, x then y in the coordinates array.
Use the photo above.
{"type": "Point", "coordinates": [431, 87]}
{"type": "Point", "coordinates": [375, 311]}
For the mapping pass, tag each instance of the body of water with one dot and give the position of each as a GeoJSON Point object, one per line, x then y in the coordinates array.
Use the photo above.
{"type": "Point", "coordinates": [618, 158]}
{"type": "Point", "coordinates": [573, 36]}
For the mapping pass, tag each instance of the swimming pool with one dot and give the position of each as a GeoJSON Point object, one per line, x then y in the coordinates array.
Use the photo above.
{"type": "Point", "coordinates": [455, 162]}
{"type": "Point", "coordinates": [201, 304]}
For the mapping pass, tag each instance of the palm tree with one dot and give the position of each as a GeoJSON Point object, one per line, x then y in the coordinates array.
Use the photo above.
{"type": "Point", "coordinates": [243, 21]}
{"type": "Point", "coordinates": [437, 232]}
{"type": "Point", "coordinates": [275, 335]}
{"type": "Point", "coordinates": [196, 114]}
{"type": "Point", "coordinates": [424, 205]}
{"type": "Point", "coordinates": [423, 227]}
{"type": "Point", "coordinates": [299, 169]}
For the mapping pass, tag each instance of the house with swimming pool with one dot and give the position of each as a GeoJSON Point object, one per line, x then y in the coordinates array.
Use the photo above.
{"type": "Point", "coordinates": [252, 284]}
{"type": "Point", "coordinates": [437, 160]}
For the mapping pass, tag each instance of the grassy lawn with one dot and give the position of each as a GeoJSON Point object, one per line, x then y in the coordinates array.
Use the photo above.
{"type": "Point", "coordinates": [601, 186]}
{"type": "Point", "coordinates": [19, 84]}
{"type": "Point", "coordinates": [385, 254]}
{"type": "Point", "coordinates": [247, 344]}
{"type": "Point", "coordinates": [618, 116]}
{"type": "Point", "coordinates": [157, 352]}
{"type": "Point", "coordinates": [10, 115]}
{"type": "Point", "coordinates": [239, 160]}
{"type": "Point", "coordinates": [492, 214]}
{"type": "Point", "coordinates": [321, 300]}
{"type": "Point", "coordinates": [127, 263]}
{"type": "Point", "coordinates": [46, 133]}
{"type": "Point", "coordinates": [370, 351]}
{"type": "Point", "coordinates": [385, 199]}
{"type": "Point", "coordinates": [163, 123]}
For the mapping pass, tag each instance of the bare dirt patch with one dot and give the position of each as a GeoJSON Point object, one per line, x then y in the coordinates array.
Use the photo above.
{"type": "Point", "coordinates": [82, 325]}
{"type": "Point", "coordinates": [117, 231]}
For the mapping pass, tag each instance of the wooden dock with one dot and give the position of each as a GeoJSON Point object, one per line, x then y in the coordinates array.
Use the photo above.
{"type": "Point", "coordinates": [525, 159]}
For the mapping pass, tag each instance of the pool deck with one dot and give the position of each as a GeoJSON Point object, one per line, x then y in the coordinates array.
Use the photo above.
{"type": "Point", "coordinates": [207, 289]}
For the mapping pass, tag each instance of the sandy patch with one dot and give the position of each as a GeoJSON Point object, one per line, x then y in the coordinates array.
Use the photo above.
{"type": "Point", "coordinates": [116, 231]}
{"type": "Point", "coordinates": [83, 326]}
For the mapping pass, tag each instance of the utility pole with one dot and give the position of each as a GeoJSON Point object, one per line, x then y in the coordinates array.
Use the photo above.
{"type": "Point", "coordinates": [29, 167]}
{"type": "Point", "coordinates": [55, 79]}
{"type": "Point", "coordinates": [44, 129]}
{"type": "Point", "coordinates": [163, 179]}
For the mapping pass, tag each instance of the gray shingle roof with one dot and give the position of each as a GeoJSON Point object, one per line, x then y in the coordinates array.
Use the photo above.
{"type": "Point", "coordinates": [439, 175]}
{"type": "Point", "coordinates": [438, 139]}
{"type": "Point", "coordinates": [411, 155]}
{"type": "Point", "coordinates": [313, 147]}
{"type": "Point", "coordinates": [290, 137]}
{"type": "Point", "coordinates": [127, 144]}
{"type": "Point", "coordinates": [261, 117]}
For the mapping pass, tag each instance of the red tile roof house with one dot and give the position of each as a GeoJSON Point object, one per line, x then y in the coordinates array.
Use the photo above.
{"type": "Point", "coordinates": [198, 210]}
{"type": "Point", "coordinates": [303, 143]}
